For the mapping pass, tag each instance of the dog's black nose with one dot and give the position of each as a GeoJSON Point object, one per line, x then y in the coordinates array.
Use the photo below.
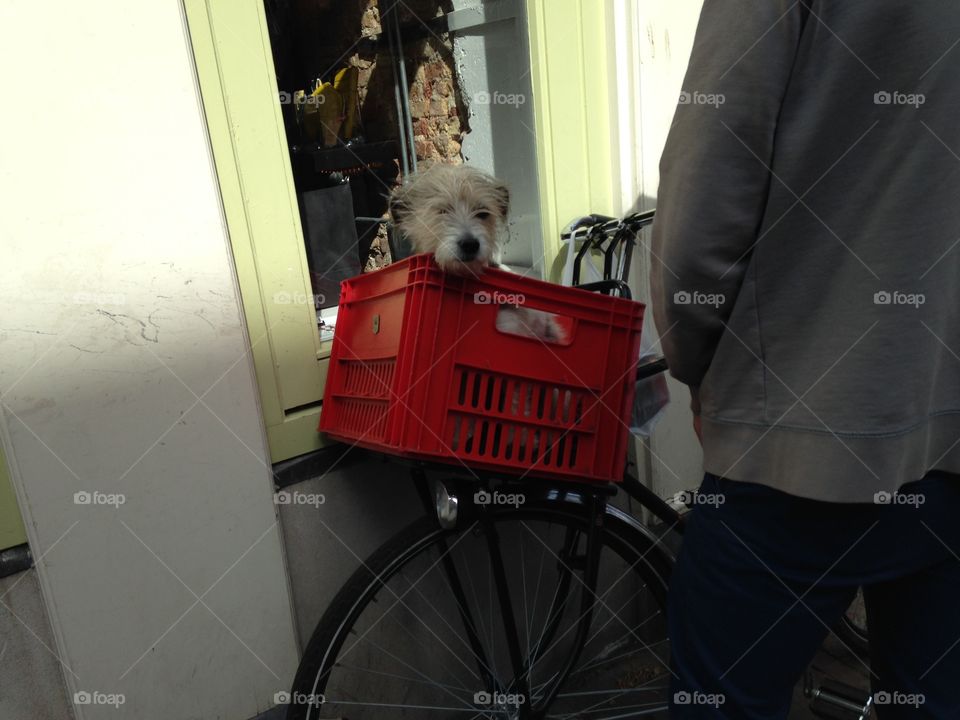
{"type": "Point", "coordinates": [469, 246]}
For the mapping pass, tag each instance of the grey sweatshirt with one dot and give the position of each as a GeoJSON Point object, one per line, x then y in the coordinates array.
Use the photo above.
{"type": "Point", "coordinates": [807, 246]}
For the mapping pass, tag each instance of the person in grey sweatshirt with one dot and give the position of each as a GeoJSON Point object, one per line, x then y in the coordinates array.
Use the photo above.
{"type": "Point", "coordinates": [806, 287]}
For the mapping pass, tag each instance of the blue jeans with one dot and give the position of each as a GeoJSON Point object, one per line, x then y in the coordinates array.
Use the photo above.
{"type": "Point", "coordinates": [763, 575]}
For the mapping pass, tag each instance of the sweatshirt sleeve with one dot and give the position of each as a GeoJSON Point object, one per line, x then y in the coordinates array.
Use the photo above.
{"type": "Point", "coordinates": [714, 172]}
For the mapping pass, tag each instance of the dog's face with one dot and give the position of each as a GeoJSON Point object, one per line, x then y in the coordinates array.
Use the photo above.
{"type": "Point", "coordinates": [455, 212]}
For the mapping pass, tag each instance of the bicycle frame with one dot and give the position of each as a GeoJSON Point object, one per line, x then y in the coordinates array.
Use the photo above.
{"type": "Point", "coordinates": [586, 510]}
{"type": "Point", "coordinates": [610, 236]}
{"type": "Point", "coordinates": [596, 497]}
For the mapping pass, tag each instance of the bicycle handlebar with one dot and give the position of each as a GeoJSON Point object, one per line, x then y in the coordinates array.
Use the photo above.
{"type": "Point", "coordinates": [601, 224]}
{"type": "Point", "coordinates": [654, 367]}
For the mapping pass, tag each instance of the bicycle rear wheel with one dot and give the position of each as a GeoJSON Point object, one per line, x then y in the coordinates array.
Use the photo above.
{"type": "Point", "coordinates": [420, 631]}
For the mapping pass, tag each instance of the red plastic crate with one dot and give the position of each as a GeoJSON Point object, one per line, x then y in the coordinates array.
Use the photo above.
{"type": "Point", "coordinates": [418, 368]}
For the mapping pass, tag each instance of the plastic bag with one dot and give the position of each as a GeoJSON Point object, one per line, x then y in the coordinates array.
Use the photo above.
{"type": "Point", "coordinates": [652, 394]}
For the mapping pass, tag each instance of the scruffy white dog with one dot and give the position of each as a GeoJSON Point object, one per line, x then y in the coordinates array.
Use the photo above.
{"type": "Point", "coordinates": [459, 214]}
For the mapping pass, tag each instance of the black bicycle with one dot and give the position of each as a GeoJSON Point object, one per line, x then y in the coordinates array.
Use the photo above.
{"type": "Point", "coordinates": [512, 597]}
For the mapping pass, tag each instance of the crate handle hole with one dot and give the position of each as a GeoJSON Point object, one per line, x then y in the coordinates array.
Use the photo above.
{"type": "Point", "coordinates": [538, 325]}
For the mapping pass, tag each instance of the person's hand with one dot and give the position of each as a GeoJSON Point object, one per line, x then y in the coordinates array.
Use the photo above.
{"type": "Point", "coordinates": [697, 428]}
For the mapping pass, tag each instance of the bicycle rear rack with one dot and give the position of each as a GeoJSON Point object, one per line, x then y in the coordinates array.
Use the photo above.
{"type": "Point", "coordinates": [587, 562]}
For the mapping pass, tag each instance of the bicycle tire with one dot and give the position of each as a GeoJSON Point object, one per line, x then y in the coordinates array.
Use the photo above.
{"type": "Point", "coordinates": [620, 535]}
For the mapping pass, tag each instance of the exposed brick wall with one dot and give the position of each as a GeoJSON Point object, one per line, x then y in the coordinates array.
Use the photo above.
{"type": "Point", "coordinates": [436, 104]}
{"type": "Point", "coordinates": [438, 111]}
{"type": "Point", "coordinates": [437, 125]}
{"type": "Point", "coordinates": [322, 38]}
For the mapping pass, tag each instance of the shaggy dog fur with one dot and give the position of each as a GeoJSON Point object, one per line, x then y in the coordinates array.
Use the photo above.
{"type": "Point", "coordinates": [459, 214]}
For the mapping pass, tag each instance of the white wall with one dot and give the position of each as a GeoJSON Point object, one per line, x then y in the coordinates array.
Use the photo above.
{"type": "Point", "coordinates": [493, 67]}
{"type": "Point", "coordinates": [124, 368]}
{"type": "Point", "coordinates": [653, 39]}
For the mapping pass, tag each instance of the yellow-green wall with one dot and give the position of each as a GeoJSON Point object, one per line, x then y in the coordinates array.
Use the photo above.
{"type": "Point", "coordinates": [238, 84]}
{"type": "Point", "coordinates": [573, 82]}
{"type": "Point", "coordinates": [11, 526]}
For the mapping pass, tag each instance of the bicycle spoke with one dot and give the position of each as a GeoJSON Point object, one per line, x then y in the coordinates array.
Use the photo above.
{"type": "Point", "coordinates": [535, 654]}
{"type": "Point", "coordinates": [425, 603]}
{"type": "Point", "coordinates": [598, 706]}
{"type": "Point", "coordinates": [631, 714]}
{"type": "Point", "coordinates": [627, 654]}
{"type": "Point", "coordinates": [399, 599]}
{"type": "Point", "coordinates": [410, 667]}
{"type": "Point", "coordinates": [523, 584]}
{"type": "Point", "coordinates": [620, 620]}
{"type": "Point", "coordinates": [619, 610]}
{"type": "Point", "coordinates": [406, 707]}
{"type": "Point", "coordinates": [612, 586]}
{"type": "Point", "coordinates": [613, 615]}
{"type": "Point", "coordinates": [402, 677]}
{"type": "Point", "coordinates": [465, 644]}
{"type": "Point", "coordinates": [438, 638]}
{"type": "Point", "coordinates": [478, 605]}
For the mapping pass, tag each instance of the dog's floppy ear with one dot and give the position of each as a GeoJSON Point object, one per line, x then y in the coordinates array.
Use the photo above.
{"type": "Point", "coordinates": [502, 195]}
{"type": "Point", "coordinates": [398, 204]}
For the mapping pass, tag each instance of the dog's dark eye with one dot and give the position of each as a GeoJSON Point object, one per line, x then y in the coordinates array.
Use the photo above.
{"type": "Point", "coordinates": [483, 215]}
